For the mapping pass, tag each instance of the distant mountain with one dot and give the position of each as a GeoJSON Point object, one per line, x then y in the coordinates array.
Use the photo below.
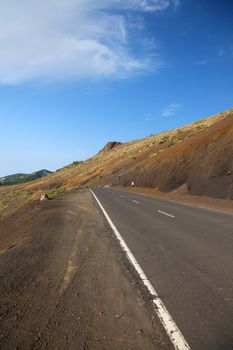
{"type": "Point", "coordinates": [21, 178]}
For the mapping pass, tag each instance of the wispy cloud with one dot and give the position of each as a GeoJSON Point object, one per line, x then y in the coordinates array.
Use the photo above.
{"type": "Point", "coordinates": [221, 52]}
{"type": "Point", "coordinates": [201, 63]}
{"type": "Point", "coordinates": [57, 40]}
{"type": "Point", "coordinates": [149, 117]}
{"type": "Point", "coordinates": [170, 110]}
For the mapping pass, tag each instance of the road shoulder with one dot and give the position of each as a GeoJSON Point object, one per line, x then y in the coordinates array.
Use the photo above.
{"type": "Point", "coordinates": [68, 284]}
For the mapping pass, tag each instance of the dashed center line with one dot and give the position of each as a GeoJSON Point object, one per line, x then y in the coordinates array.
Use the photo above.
{"type": "Point", "coordinates": [136, 201]}
{"type": "Point", "coordinates": [166, 319]}
{"type": "Point", "coordinates": [163, 212]}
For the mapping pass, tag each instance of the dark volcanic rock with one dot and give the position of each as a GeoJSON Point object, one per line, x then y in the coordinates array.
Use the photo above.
{"type": "Point", "coordinates": [110, 145]}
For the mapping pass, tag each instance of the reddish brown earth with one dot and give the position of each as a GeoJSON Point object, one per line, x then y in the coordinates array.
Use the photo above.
{"type": "Point", "coordinates": [196, 157]}
{"type": "Point", "coordinates": [64, 280]}
{"type": "Point", "coordinates": [65, 283]}
{"type": "Point", "coordinates": [204, 162]}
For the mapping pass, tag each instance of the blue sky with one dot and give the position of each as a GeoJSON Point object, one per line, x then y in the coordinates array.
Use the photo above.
{"type": "Point", "coordinates": [75, 74]}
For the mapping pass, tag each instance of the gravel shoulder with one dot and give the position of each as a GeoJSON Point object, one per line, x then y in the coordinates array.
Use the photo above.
{"type": "Point", "coordinates": [65, 283]}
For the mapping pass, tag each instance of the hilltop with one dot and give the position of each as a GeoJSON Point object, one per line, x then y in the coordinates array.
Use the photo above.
{"type": "Point", "coordinates": [194, 160]}
{"type": "Point", "coordinates": [21, 178]}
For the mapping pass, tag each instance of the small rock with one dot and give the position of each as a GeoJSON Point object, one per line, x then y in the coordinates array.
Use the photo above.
{"type": "Point", "coordinates": [44, 197]}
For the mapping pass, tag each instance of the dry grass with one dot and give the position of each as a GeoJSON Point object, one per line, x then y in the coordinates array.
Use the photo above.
{"type": "Point", "coordinates": [104, 167]}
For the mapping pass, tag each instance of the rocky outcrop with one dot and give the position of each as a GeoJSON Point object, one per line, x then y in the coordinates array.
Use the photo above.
{"type": "Point", "coordinates": [110, 145]}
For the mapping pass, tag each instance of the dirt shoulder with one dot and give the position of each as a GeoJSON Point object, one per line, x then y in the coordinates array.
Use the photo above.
{"type": "Point", "coordinates": [65, 283]}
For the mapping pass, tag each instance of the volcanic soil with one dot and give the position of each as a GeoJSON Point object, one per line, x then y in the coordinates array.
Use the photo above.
{"type": "Point", "coordinates": [65, 283]}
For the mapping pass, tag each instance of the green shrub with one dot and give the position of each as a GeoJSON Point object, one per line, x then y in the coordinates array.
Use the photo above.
{"type": "Point", "coordinates": [54, 193]}
{"type": "Point", "coordinates": [164, 139]}
{"type": "Point", "coordinates": [77, 162]}
{"type": "Point", "coordinates": [23, 192]}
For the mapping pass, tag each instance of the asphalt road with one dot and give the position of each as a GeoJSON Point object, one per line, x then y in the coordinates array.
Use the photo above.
{"type": "Point", "coordinates": [65, 285]}
{"type": "Point", "coordinates": [187, 254]}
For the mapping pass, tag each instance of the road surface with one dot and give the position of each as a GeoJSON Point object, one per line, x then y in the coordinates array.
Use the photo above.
{"type": "Point", "coordinates": [64, 282]}
{"type": "Point", "coordinates": [187, 254]}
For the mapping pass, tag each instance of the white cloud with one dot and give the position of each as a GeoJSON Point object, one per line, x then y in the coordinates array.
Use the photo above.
{"type": "Point", "coordinates": [170, 110]}
{"type": "Point", "coordinates": [54, 40]}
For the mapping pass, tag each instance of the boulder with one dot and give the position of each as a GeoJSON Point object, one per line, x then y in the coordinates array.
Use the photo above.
{"type": "Point", "coordinates": [44, 197]}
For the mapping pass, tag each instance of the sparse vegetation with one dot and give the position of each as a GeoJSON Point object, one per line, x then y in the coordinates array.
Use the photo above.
{"type": "Point", "coordinates": [23, 178]}
{"type": "Point", "coordinates": [23, 192]}
{"type": "Point", "coordinates": [77, 162]}
{"type": "Point", "coordinates": [151, 161]}
{"type": "Point", "coordinates": [164, 139]}
{"type": "Point", "coordinates": [171, 144]}
{"type": "Point", "coordinates": [54, 193]}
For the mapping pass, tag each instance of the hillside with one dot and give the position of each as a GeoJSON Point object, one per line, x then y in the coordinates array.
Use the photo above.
{"type": "Point", "coordinates": [195, 159]}
{"type": "Point", "coordinates": [21, 178]}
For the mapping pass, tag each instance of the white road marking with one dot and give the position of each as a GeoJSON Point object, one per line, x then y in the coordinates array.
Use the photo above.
{"type": "Point", "coordinates": [163, 212]}
{"type": "Point", "coordinates": [166, 319]}
{"type": "Point", "coordinates": [136, 201]}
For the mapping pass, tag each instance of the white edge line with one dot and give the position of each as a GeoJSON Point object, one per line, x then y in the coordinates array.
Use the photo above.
{"type": "Point", "coordinates": [163, 212]}
{"type": "Point", "coordinates": [166, 319]}
{"type": "Point", "coordinates": [220, 211]}
{"type": "Point", "coordinates": [135, 201]}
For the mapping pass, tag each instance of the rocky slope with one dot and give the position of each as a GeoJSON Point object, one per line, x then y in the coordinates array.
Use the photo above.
{"type": "Point", "coordinates": [196, 159]}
